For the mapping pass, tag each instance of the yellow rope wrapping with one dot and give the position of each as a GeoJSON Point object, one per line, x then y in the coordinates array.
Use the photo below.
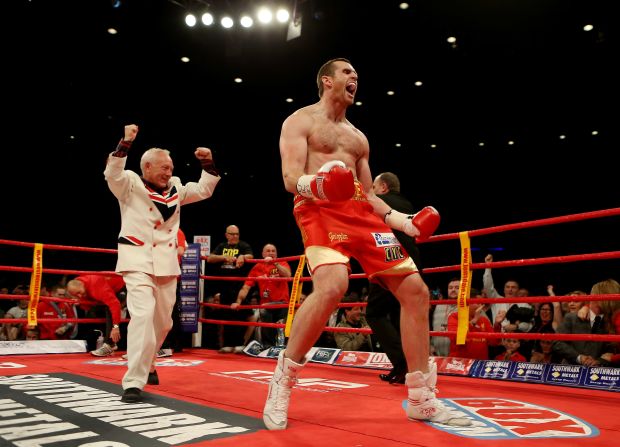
{"type": "Point", "coordinates": [295, 295]}
{"type": "Point", "coordinates": [464, 289]}
{"type": "Point", "coordinates": [35, 284]}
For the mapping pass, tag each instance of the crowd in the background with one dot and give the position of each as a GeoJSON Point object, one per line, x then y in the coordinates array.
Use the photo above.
{"type": "Point", "coordinates": [258, 284]}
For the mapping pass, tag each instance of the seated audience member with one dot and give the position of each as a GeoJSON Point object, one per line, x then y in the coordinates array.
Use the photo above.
{"type": "Point", "coordinates": [440, 346]}
{"type": "Point", "coordinates": [544, 323]}
{"type": "Point", "coordinates": [542, 352]}
{"type": "Point", "coordinates": [475, 347]}
{"type": "Point", "coordinates": [33, 333]}
{"type": "Point", "coordinates": [583, 352]}
{"type": "Point", "coordinates": [60, 330]}
{"type": "Point", "coordinates": [101, 290]}
{"type": "Point", "coordinates": [352, 318]}
{"type": "Point", "coordinates": [610, 314]}
{"type": "Point", "coordinates": [17, 331]}
{"type": "Point", "coordinates": [511, 353]}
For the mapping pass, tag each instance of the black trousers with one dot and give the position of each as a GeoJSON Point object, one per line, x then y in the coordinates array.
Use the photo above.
{"type": "Point", "coordinates": [383, 316]}
{"type": "Point", "coordinates": [269, 335]}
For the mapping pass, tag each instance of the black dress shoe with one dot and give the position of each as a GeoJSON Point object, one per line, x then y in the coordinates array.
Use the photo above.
{"type": "Point", "coordinates": [394, 376]}
{"type": "Point", "coordinates": [153, 378]}
{"type": "Point", "coordinates": [398, 377]}
{"type": "Point", "coordinates": [385, 377]}
{"type": "Point", "coordinates": [131, 395]}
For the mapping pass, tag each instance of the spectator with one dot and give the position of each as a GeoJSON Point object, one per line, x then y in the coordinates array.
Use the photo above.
{"type": "Point", "coordinates": [542, 352]}
{"type": "Point", "coordinates": [583, 352]}
{"type": "Point", "coordinates": [61, 330]}
{"type": "Point", "coordinates": [17, 331]}
{"type": "Point", "coordinates": [33, 333]}
{"type": "Point", "coordinates": [511, 351]}
{"type": "Point", "coordinates": [511, 289]}
{"type": "Point", "coordinates": [475, 347]}
{"type": "Point", "coordinates": [440, 346]}
{"type": "Point", "coordinates": [100, 291]}
{"type": "Point", "coordinates": [231, 256]}
{"type": "Point", "coordinates": [352, 318]}
{"type": "Point", "coordinates": [610, 311]}
{"type": "Point", "coordinates": [270, 292]}
{"type": "Point", "coordinates": [544, 323]}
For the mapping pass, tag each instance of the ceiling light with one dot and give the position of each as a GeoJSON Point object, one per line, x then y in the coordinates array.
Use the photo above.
{"type": "Point", "coordinates": [282, 15]}
{"type": "Point", "coordinates": [264, 15]}
{"type": "Point", "coordinates": [227, 22]}
{"type": "Point", "coordinates": [207, 19]}
{"type": "Point", "coordinates": [246, 21]}
{"type": "Point", "coordinates": [190, 20]}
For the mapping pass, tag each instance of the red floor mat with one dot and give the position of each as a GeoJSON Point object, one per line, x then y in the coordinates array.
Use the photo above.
{"type": "Point", "coordinates": [221, 397]}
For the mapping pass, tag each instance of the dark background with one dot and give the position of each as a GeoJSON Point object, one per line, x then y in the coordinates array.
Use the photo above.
{"type": "Point", "coordinates": [522, 70]}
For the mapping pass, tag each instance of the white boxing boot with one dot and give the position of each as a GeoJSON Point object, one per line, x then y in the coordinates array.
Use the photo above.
{"type": "Point", "coordinates": [422, 404]}
{"type": "Point", "coordinates": [275, 413]}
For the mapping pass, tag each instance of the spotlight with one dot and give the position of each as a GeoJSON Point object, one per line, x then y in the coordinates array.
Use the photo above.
{"type": "Point", "coordinates": [190, 20]}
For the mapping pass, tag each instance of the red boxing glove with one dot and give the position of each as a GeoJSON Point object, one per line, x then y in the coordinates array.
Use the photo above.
{"type": "Point", "coordinates": [421, 225]}
{"type": "Point", "coordinates": [427, 221]}
{"type": "Point", "coordinates": [333, 182]}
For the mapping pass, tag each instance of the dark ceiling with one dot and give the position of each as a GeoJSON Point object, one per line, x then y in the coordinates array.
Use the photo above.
{"type": "Point", "coordinates": [522, 70]}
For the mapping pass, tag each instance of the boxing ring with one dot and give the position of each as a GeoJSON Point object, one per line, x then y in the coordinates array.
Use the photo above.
{"type": "Point", "coordinates": [206, 398]}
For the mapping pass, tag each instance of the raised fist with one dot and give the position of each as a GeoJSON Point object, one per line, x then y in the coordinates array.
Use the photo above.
{"type": "Point", "coordinates": [131, 131]}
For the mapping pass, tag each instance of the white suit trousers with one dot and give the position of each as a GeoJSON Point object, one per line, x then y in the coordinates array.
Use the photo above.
{"type": "Point", "coordinates": [150, 300]}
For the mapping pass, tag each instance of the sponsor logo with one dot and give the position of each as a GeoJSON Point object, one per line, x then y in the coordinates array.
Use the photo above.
{"type": "Point", "coordinates": [393, 253]}
{"type": "Point", "coordinates": [385, 239]}
{"type": "Point", "coordinates": [455, 365]}
{"type": "Point", "coordinates": [323, 355]}
{"type": "Point", "coordinates": [497, 418]}
{"type": "Point", "coordinates": [337, 237]}
{"type": "Point", "coordinates": [43, 409]}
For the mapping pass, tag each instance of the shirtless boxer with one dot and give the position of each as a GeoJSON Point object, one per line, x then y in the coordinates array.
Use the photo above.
{"type": "Point", "coordinates": [340, 217]}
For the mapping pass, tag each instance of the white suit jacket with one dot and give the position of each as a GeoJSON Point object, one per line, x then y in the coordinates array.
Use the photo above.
{"type": "Point", "coordinates": [150, 220]}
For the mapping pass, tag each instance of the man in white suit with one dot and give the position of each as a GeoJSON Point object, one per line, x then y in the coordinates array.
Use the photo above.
{"type": "Point", "coordinates": [147, 248]}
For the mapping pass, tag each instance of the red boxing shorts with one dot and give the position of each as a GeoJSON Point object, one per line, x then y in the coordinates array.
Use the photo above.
{"type": "Point", "coordinates": [334, 232]}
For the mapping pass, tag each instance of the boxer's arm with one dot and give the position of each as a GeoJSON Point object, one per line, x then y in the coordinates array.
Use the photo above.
{"type": "Point", "coordinates": [294, 148]}
{"type": "Point", "coordinates": [420, 225]}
